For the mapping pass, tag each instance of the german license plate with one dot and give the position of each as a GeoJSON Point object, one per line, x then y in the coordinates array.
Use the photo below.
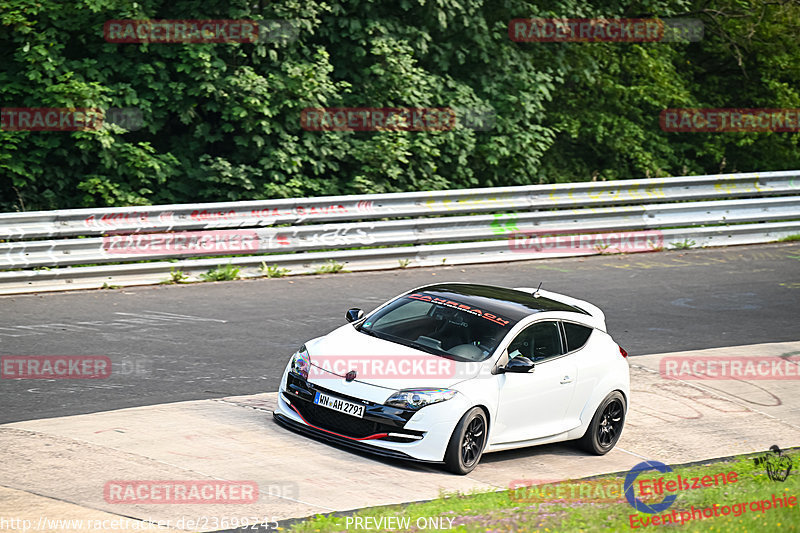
{"type": "Point", "coordinates": [337, 404]}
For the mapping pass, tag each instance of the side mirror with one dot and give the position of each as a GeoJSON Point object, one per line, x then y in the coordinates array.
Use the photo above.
{"type": "Point", "coordinates": [517, 365]}
{"type": "Point", "coordinates": [354, 314]}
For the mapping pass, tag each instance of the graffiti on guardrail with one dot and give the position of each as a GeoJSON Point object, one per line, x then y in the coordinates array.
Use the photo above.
{"type": "Point", "coordinates": [195, 242]}
{"type": "Point", "coordinates": [206, 215]}
{"type": "Point", "coordinates": [28, 256]}
{"type": "Point", "coordinates": [504, 223]}
{"type": "Point", "coordinates": [608, 195]}
{"type": "Point", "coordinates": [731, 186]}
{"type": "Point", "coordinates": [301, 212]}
{"type": "Point", "coordinates": [234, 241]}
{"type": "Point", "coordinates": [618, 194]}
{"type": "Point", "coordinates": [461, 204]}
{"type": "Point", "coordinates": [143, 220]}
{"type": "Point", "coordinates": [316, 210]}
{"type": "Point", "coordinates": [119, 219]}
{"type": "Point", "coordinates": [321, 239]}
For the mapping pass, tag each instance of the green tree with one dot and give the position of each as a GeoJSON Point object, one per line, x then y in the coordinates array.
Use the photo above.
{"type": "Point", "coordinates": [222, 122]}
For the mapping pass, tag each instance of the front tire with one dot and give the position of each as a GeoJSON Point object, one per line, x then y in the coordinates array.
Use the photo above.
{"type": "Point", "coordinates": [606, 426]}
{"type": "Point", "coordinates": [467, 442]}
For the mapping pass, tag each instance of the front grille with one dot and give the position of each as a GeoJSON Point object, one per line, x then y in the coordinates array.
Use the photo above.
{"type": "Point", "coordinates": [377, 418]}
{"type": "Point", "coordinates": [339, 422]}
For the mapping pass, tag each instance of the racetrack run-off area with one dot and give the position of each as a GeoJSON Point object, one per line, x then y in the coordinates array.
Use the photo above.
{"type": "Point", "coordinates": [72, 459]}
{"type": "Point", "coordinates": [199, 365]}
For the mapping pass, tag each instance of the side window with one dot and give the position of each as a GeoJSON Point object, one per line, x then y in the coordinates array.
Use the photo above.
{"type": "Point", "coordinates": [577, 335]}
{"type": "Point", "coordinates": [537, 342]}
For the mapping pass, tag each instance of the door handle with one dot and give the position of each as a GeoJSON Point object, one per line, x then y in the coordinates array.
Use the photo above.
{"type": "Point", "coordinates": [565, 380]}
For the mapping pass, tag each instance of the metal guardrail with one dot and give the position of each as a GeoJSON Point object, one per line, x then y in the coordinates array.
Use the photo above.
{"type": "Point", "coordinates": [75, 222]}
{"type": "Point", "coordinates": [383, 230]}
{"type": "Point", "coordinates": [27, 254]}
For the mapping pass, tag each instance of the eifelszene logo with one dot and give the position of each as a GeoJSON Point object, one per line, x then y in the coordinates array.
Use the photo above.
{"type": "Point", "coordinates": [630, 495]}
{"type": "Point", "coordinates": [667, 487]}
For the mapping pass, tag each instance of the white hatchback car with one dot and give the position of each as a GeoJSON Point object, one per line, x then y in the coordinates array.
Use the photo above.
{"type": "Point", "coordinates": [446, 372]}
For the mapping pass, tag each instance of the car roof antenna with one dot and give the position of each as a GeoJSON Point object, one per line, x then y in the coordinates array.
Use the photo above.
{"type": "Point", "coordinates": [536, 292]}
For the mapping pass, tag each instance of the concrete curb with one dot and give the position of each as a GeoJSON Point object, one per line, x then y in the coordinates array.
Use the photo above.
{"type": "Point", "coordinates": [58, 467]}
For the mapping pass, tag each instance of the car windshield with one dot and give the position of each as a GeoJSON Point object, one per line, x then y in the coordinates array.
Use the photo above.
{"type": "Point", "coordinates": [441, 326]}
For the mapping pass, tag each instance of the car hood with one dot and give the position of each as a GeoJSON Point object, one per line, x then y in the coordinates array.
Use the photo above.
{"type": "Point", "coordinates": [380, 363]}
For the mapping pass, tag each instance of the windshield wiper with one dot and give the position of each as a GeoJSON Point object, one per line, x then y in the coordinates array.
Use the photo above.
{"type": "Point", "coordinates": [424, 348]}
{"type": "Point", "coordinates": [420, 347]}
{"type": "Point", "coordinates": [411, 344]}
{"type": "Point", "coordinates": [370, 333]}
{"type": "Point", "coordinates": [442, 353]}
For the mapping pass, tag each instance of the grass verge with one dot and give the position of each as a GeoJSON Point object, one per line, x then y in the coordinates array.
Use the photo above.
{"type": "Point", "coordinates": [598, 504]}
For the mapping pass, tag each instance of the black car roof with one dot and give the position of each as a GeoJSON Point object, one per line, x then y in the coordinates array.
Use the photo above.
{"type": "Point", "coordinates": [503, 301]}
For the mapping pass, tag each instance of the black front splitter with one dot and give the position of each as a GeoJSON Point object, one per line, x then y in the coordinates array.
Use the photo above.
{"type": "Point", "coordinates": [344, 441]}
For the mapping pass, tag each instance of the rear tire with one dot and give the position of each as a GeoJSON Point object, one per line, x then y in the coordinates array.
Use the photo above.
{"type": "Point", "coordinates": [467, 442]}
{"type": "Point", "coordinates": [606, 426]}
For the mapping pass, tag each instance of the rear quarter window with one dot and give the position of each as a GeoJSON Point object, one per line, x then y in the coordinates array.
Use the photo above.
{"type": "Point", "coordinates": [577, 335]}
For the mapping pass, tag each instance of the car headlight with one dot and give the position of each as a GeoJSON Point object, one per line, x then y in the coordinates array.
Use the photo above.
{"type": "Point", "coordinates": [301, 362]}
{"type": "Point", "coordinates": [418, 398]}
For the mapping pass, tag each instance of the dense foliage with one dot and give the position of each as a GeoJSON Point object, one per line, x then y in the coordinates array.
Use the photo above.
{"type": "Point", "coordinates": [222, 121]}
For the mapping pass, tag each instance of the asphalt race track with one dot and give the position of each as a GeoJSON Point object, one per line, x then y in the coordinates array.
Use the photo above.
{"type": "Point", "coordinates": [213, 340]}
